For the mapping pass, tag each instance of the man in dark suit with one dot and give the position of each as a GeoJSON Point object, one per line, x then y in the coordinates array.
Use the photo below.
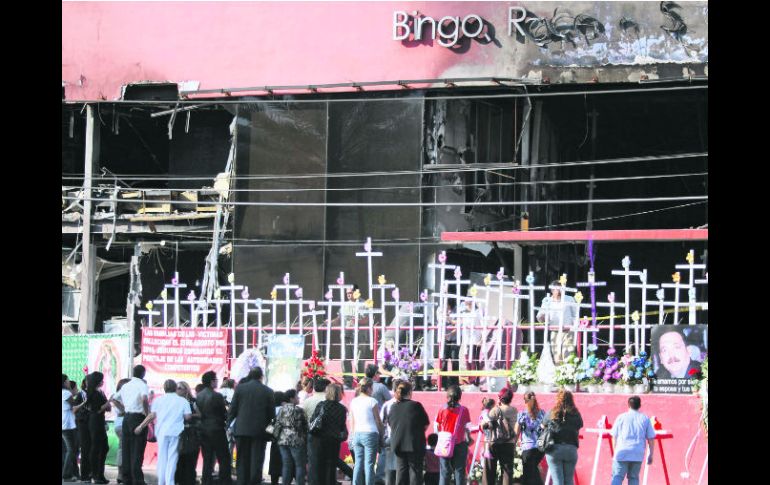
{"type": "Point", "coordinates": [254, 408]}
{"type": "Point", "coordinates": [213, 411]}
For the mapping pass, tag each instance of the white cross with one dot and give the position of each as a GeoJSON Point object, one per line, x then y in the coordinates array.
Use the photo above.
{"type": "Point", "coordinates": [592, 284]}
{"type": "Point", "coordinates": [396, 303]}
{"type": "Point", "coordinates": [163, 301]}
{"type": "Point", "coordinates": [369, 254]}
{"type": "Point", "coordinates": [193, 313]}
{"type": "Point", "coordinates": [691, 266]}
{"type": "Point", "coordinates": [530, 279]}
{"type": "Point", "coordinates": [383, 315]}
{"type": "Point", "coordinates": [411, 314]}
{"type": "Point", "coordinates": [232, 288]}
{"type": "Point", "coordinates": [259, 311]}
{"type": "Point", "coordinates": [202, 309]}
{"type": "Point", "coordinates": [580, 326]}
{"type": "Point", "coordinates": [644, 287]}
{"type": "Point", "coordinates": [427, 311]}
{"type": "Point", "coordinates": [463, 317]}
{"type": "Point", "coordinates": [149, 312]}
{"type": "Point", "coordinates": [704, 281]}
{"type": "Point", "coordinates": [677, 286]}
{"type": "Point", "coordinates": [176, 286]}
{"type": "Point", "coordinates": [312, 313]}
{"type": "Point", "coordinates": [626, 273]}
{"type": "Point", "coordinates": [287, 301]}
{"type": "Point", "coordinates": [457, 282]}
{"type": "Point", "coordinates": [500, 290]}
{"type": "Point", "coordinates": [611, 305]}
{"type": "Point", "coordinates": [218, 302]}
{"type": "Point", "coordinates": [516, 295]}
{"type": "Point", "coordinates": [370, 312]}
{"type": "Point", "coordinates": [342, 287]}
{"type": "Point", "coordinates": [442, 267]}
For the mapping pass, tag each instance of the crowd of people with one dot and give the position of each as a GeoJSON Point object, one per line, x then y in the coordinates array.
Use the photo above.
{"type": "Point", "coordinates": [306, 426]}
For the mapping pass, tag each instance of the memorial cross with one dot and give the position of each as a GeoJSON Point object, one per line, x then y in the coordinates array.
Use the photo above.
{"type": "Point", "coordinates": [287, 301]}
{"type": "Point", "coordinates": [626, 273]}
{"type": "Point", "coordinates": [164, 301]}
{"type": "Point", "coordinates": [530, 279]}
{"type": "Point", "coordinates": [611, 305]}
{"type": "Point", "coordinates": [149, 312]}
{"type": "Point", "coordinates": [176, 286]}
{"type": "Point", "coordinates": [644, 287]}
{"type": "Point", "coordinates": [592, 284]}
{"type": "Point", "coordinates": [691, 266]}
{"type": "Point", "coordinates": [677, 285]}
{"type": "Point", "coordinates": [232, 288]}
{"type": "Point", "coordinates": [369, 254]}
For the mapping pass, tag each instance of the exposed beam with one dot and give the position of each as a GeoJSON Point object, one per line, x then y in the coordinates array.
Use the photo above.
{"type": "Point", "coordinates": [569, 236]}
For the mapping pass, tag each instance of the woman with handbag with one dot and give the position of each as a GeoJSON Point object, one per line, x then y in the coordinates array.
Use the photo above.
{"type": "Point", "coordinates": [327, 425]}
{"type": "Point", "coordinates": [291, 436]}
{"type": "Point", "coordinates": [565, 421]}
{"type": "Point", "coordinates": [452, 446]}
{"type": "Point", "coordinates": [502, 446]}
{"type": "Point", "coordinates": [528, 425]}
{"type": "Point", "coordinates": [189, 440]}
{"type": "Point", "coordinates": [367, 429]}
{"type": "Point", "coordinates": [275, 467]}
{"type": "Point", "coordinates": [97, 404]}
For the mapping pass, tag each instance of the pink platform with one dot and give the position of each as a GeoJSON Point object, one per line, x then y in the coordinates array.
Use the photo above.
{"type": "Point", "coordinates": [679, 415]}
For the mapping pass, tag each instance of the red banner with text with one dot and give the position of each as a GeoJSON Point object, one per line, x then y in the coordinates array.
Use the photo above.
{"type": "Point", "coordinates": [182, 354]}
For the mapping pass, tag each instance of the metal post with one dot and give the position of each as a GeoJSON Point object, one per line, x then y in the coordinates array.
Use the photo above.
{"type": "Point", "coordinates": [87, 274]}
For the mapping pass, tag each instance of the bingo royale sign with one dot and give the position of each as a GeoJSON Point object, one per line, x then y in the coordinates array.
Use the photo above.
{"type": "Point", "coordinates": [448, 30]}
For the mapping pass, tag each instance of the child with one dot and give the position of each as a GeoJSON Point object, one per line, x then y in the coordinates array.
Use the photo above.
{"type": "Point", "coordinates": [486, 405]}
{"type": "Point", "coordinates": [431, 461]}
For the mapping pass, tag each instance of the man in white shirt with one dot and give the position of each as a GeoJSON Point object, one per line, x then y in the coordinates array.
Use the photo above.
{"type": "Point", "coordinates": [171, 411]}
{"type": "Point", "coordinates": [134, 398]}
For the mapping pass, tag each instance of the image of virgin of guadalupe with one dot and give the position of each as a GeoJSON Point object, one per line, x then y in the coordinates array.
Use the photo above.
{"type": "Point", "coordinates": [108, 363]}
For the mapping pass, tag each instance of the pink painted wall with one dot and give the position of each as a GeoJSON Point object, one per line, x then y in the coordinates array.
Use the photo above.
{"type": "Point", "coordinates": [237, 44]}
{"type": "Point", "coordinates": [240, 44]}
{"type": "Point", "coordinates": [679, 414]}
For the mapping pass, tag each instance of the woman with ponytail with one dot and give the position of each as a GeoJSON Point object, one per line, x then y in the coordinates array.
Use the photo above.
{"type": "Point", "coordinates": [528, 427]}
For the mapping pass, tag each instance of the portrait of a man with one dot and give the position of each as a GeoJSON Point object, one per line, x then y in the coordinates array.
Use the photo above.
{"type": "Point", "coordinates": [678, 351]}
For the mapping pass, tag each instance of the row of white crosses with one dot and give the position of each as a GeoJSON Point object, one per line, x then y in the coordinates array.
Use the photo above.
{"type": "Point", "coordinates": [293, 296]}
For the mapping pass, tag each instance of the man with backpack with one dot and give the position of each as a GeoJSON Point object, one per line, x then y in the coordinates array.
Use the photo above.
{"type": "Point", "coordinates": [500, 432]}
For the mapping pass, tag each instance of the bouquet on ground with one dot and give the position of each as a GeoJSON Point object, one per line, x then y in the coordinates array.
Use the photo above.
{"type": "Point", "coordinates": [403, 364]}
{"type": "Point", "coordinates": [314, 368]}
{"type": "Point", "coordinates": [587, 368]}
{"type": "Point", "coordinates": [635, 368]}
{"type": "Point", "coordinates": [609, 369]}
{"type": "Point", "coordinates": [567, 373]}
{"type": "Point", "coordinates": [476, 474]}
{"type": "Point", "coordinates": [524, 370]}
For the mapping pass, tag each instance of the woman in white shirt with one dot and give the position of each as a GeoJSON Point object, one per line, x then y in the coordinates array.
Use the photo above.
{"type": "Point", "coordinates": [171, 411]}
{"type": "Point", "coordinates": [68, 429]}
{"type": "Point", "coordinates": [367, 428]}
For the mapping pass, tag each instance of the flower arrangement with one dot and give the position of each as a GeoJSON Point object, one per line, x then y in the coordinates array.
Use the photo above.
{"type": "Point", "coordinates": [704, 394]}
{"type": "Point", "coordinates": [635, 368]}
{"type": "Point", "coordinates": [314, 368]}
{"type": "Point", "coordinates": [588, 367]}
{"type": "Point", "coordinates": [404, 365]}
{"type": "Point", "coordinates": [524, 370]}
{"type": "Point", "coordinates": [608, 369]}
{"type": "Point", "coordinates": [567, 373]}
{"type": "Point", "coordinates": [476, 474]}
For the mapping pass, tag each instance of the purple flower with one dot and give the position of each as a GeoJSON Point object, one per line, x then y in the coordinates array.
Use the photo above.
{"type": "Point", "coordinates": [611, 351]}
{"type": "Point", "coordinates": [614, 366]}
{"type": "Point", "coordinates": [606, 377]}
{"type": "Point", "coordinates": [415, 365]}
{"type": "Point", "coordinates": [616, 375]}
{"type": "Point", "coordinates": [601, 365]}
{"type": "Point", "coordinates": [387, 355]}
{"type": "Point", "coordinates": [598, 373]}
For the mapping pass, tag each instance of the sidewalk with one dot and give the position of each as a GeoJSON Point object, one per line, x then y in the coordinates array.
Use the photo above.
{"type": "Point", "coordinates": [111, 473]}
